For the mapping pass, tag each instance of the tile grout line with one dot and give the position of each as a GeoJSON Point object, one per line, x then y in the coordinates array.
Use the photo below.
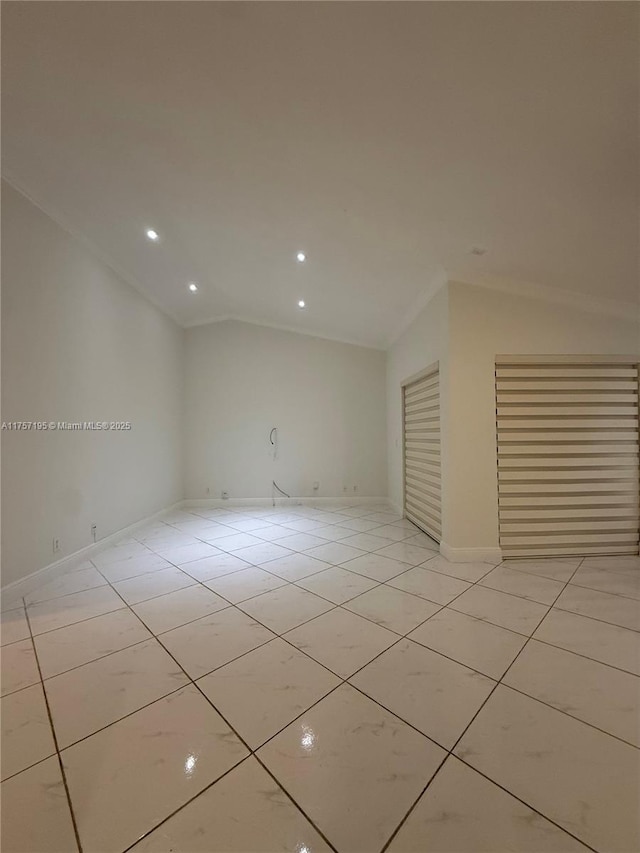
{"type": "Point", "coordinates": [343, 680]}
{"type": "Point", "coordinates": [473, 718]}
{"type": "Point", "coordinates": [55, 743]}
{"type": "Point", "coordinates": [194, 683]}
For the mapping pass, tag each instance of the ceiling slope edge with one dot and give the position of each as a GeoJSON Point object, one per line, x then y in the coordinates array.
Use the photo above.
{"type": "Point", "coordinates": [63, 222]}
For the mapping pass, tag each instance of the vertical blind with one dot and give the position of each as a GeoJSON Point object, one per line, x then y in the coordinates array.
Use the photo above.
{"type": "Point", "coordinates": [421, 405]}
{"type": "Point", "coordinates": [568, 480]}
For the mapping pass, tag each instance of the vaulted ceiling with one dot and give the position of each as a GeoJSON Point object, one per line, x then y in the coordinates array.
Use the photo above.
{"type": "Point", "coordinates": [385, 140]}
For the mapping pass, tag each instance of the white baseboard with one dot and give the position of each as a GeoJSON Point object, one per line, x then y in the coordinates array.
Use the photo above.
{"type": "Point", "coordinates": [471, 555]}
{"type": "Point", "coordinates": [23, 586]}
{"type": "Point", "coordinates": [218, 503]}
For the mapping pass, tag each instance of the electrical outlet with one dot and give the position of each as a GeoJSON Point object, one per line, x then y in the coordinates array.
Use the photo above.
{"type": "Point", "coordinates": [207, 491]}
{"type": "Point", "coordinates": [56, 544]}
{"type": "Point", "coordinates": [316, 486]}
{"type": "Point", "coordinates": [225, 496]}
{"type": "Point", "coordinates": [355, 488]}
{"type": "Point", "coordinates": [344, 488]}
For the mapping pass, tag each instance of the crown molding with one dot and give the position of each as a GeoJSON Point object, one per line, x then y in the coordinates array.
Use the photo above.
{"type": "Point", "coordinates": [555, 295]}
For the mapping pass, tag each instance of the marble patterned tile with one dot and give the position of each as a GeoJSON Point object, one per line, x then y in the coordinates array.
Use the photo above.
{"type": "Point", "coordinates": [221, 531]}
{"type": "Point", "coordinates": [470, 572]}
{"type": "Point", "coordinates": [26, 731]}
{"type": "Point", "coordinates": [333, 533]}
{"type": "Point", "coordinates": [188, 553]}
{"type": "Point", "coordinates": [38, 791]}
{"type": "Point", "coordinates": [582, 779]}
{"type": "Point", "coordinates": [367, 541]}
{"type": "Point", "coordinates": [153, 530]}
{"type": "Point", "coordinates": [615, 609]}
{"type": "Point", "coordinates": [169, 537]}
{"type": "Point", "coordinates": [248, 525]}
{"type": "Point", "coordinates": [472, 642]}
{"type": "Point", "coordinates": [92, 696]}
{"type": "Point", "coordinates": [630, 563]}
{"type": "Point", "coordinates": [214, 640]}
{"type": "Point", "coordinates": [287, 682]}
{"type": "Point", "coordinates": [554, 568]}
{"type": "Point", "coordinates": [373, 764]}
{"type": "Point", "coordinates": [59, 612]}
{"type": "Point", "coordinates": [412, 554]}
{"type": "Point", "coordinates": [376, 567]}
{"type": "Point", "coordinates": [461, 811]}
{"type": "Point", "coordinates": [19, 667]}
{"type": "Point", "coordinates": [283, 608]}
{"type": "Point", "coordinates": [590, 691]}
{"type": "Point", "coordinates": [341, 641]}
{"type": "Point", "coordinates": [295, 567]}
{"type": "Point", "coordinates": [13, 626]}
{"type": "Point", "coordinates": [599, 641]}
{"type": "Point", "coordinates": [199, 527]}
{"type": "Point", "coordinates": [177, 608]}
{"type": "Point", "coordinates": [136, 590]}
{"type": "Point", "coordinates": [272, 533]}
{"type": "Point", "coordinates": [355, 511]}
{"type": "Point", "coordinates": [83, 642]}
{"type": "Point", "coordinates": [405, 524]}
{"type": "Point", "coordinates": [117, 553]}
{"type": "Point", "coordinates": [436, 587]}
{"type": "Point", "coordinates": [334, 553]}
{"type": "Point", "coordinates": [245, 811]}
{"type": "Point", "coordinates": [208, 568]}
{"type": "Point", "coordinates": [157, 759]}
{"type": "Point", "coordinates": [424, 541]}
{"type": "Point", "coordinates": [533, 587]}
{"type": "Point", "coordinates": [78, 581]}
{"type": "Point", "coordinates": [384, 517]}
{"type": "Point", "coordinates": [299, 541]}
{"type": "Point", "coordinates": [602, 577]}
{"type": "Point", "coordinates": [303, 525]}
{"type": "Point", "coordinates": [336, 584]}
{"type": "Point", "coordinates": [235, 541]}
{"type": "Point", "coordinates": [436, 695]}
{"type": "Point", "coordinates": [244, 584]}
{"type": "Point", "coordinates": [398, 534]}
{"type": "Point", "coordinates": [499, 608]}
{"type": "Point", "coordinates": [360, 525]}
{"type": "Point", "coordinates": [262, 553]}
{"type": "Point", "coordinates": [135, 567]}
{"type": "Point", "coordinates": [393, 609]}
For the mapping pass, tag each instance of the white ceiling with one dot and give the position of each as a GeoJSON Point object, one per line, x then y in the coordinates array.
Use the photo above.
{"type": "Point", "coordinates": [384, 139]}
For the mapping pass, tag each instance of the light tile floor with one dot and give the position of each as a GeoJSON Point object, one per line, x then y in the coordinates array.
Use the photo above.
{"type": "Point", "coordinates": [310, 679]}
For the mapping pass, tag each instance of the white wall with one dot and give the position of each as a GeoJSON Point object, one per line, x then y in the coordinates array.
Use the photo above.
{"type": "Point", "coordinates": [424, 342]}
{"type": "Point", "coordinates": [326, 398]}
{"type": "Point", "coordinates": [79, 344]}
{"type": "Point", "coordinates": [485, 323]}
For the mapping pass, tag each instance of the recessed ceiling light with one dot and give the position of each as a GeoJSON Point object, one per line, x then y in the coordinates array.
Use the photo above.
{"type": "Point", "coordinates": [477, 250]}
{"type": "Point", "coordinates": [301, 257]}
{"type": "Point", "coordinates": [193, 287]}
{"type": "Point", "coordinates": [153, 235]}
{"type": "Point", "coordinates": [301, 303]}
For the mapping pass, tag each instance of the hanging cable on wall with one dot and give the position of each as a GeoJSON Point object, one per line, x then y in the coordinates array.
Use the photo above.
{"type": "Point", "coordinates": [273, 441]}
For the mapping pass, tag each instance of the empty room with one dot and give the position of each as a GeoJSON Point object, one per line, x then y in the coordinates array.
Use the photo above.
{"type": "Point", "coordinates": [320, 427]}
